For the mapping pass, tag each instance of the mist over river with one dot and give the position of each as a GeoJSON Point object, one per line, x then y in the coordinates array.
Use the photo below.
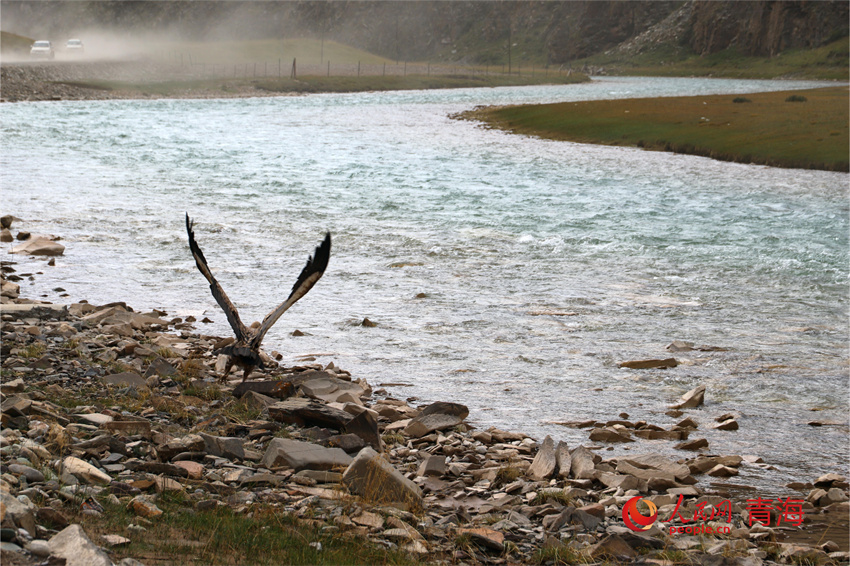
{"type": "Point", "coordinates": [543, 264]}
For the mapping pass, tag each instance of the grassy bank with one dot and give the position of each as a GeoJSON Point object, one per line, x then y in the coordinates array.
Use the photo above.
{"type": "Point", "coordinates": [312, 84]}
{"type": "Point", "coordinates": [799, 129]}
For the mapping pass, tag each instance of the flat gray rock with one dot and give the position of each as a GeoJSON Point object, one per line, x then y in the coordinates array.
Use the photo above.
{"type": "Point", "coordinates": [72, 544]}
{"type": "Point", "coordinates": [303, 455]}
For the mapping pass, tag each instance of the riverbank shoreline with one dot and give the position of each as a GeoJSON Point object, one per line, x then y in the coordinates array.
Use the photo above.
{"type": "Point", "coordinates": [146, 80]}
{"type": "Point", "coordinates": [129, 394]}
{"type": "Point", "coordinates": [805, 129]}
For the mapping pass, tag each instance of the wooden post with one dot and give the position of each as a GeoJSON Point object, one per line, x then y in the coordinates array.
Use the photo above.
{"type": "Point", "coordinates": [278, 67]}
{"type": "Point", "coordinates": [385, 70]}
{"type": "Point", "coordinates": [293, 74]}
{"type": "Point", "coordinates": [329, 67]}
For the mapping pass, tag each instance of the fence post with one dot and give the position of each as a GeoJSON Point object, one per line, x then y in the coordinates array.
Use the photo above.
{"type": "Point", "coordinates": [293, 74]}
{"type": "Point", "coordinates": [385, 70]}
{"type": "Point", "coordinates": [329, 67]}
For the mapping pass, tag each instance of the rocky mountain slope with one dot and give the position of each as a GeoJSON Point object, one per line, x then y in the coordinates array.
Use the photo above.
{"type": "Point", "coordinates": [469, 31]}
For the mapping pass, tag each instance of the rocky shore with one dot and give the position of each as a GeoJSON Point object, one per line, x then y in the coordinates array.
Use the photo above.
{"type": "Point", "coordinates": [114, 423]}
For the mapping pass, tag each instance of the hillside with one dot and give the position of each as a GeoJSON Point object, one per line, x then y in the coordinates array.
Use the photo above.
{"type": "Point", "coordinates": [510, 34]}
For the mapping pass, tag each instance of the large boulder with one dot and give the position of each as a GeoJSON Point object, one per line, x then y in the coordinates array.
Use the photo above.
{"type": "Point", "coordinates": [39, 246]}
{"type": "Point", "coordinates": [303, 455]}
{"type": "Point", "coordinates": [376, 480]}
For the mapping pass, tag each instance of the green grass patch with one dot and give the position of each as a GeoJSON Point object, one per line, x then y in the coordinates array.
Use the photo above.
{"type": "Point", "coordinates": [766, 131]}
{"type": "Point", "coordinates": [264, 535]}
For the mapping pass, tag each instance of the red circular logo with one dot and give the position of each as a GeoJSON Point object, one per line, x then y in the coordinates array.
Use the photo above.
{"type": "Point", "coordinates": [634, 519]}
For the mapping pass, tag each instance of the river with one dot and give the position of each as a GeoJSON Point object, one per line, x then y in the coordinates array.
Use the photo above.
{"type": "Point", "coordinates": [507, 273]}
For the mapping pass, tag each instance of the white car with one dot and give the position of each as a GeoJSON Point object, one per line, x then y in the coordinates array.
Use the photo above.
{"type": "Point", "coordinates": [42, 48]}
{"type": "Point", "coordinates": [74, 46]}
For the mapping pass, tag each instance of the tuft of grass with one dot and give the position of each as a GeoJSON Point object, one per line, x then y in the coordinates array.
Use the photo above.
{"type": "Point", "coordinates": [559, 556]}
{"type": "Point", "coordinates": [507, 474]}
{"type": "Point", "coordinates": [796, 98]}
{"type": "Point", "coordinates": [551, 495]}
{"type": "Point", "coordinates": [740, 99]}
{"type": "Point", "coordinates": [34, 350]}
{"type": "Point", "coordinates": [392, 438]}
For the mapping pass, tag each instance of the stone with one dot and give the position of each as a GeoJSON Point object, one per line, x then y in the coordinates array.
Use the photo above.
{"type": "Point", "coordinates": [370, 520]}
{"type": "Point", "coordinates": [175, 446]}
{"type": "Point", "coordinates": [125, 379]}
{"type": "Point", "coordinates": [376, 480]}
{"type": "Point", "coordinates": [650, 364]}
{"type": "Point", "coordinates": [488, 539]}
{"type": "Point", "coordinates": [194, 470]}
{"type": "Point", "coordinates": [612, 546]}
{"type": "Point", "coordinates": [658, 462]}
{"type": "Point", "coordinates": [695, 444]}
{"type": "Point", "coordinates": [278, 389]}
{"type": "Point", "coordinates": [609, 434]}
{"type": "Point", "coordinates": [827, 480]}
{"type": "Point", "coordinates": [224, 446]}
{"type": "Point", "coordinates": [563, 461]}
{"type": "Point", "coordinates": [582, 466]}
{"type": "Point", "coordinates": [85, 471]}
{"type": "Point", "coordinates": [160, 367]}
{"type": "Point", "coordinates": [21, 514]}
{"type": "Point", "coordinates": [308, 412]}
{"type": "Point", "coordinates": [144, 508]}
{"type": "Point", "coordinates": [730, 424]}
{"type": "Point", "coordinates": [693, 398]}
{"type": "Point", "coordinates": [349, 443]}
{"type": "Point", "coordinates": [544, 462]}
{"type": "Point", "coordinates": [72, 544]}
{"type": "Point", "coordinates": [6, 235]}
{"type": "Point", "coordinates": [32, 475]}
{"type": "Point", "coordinates": [365, 426]}
{"type": "Point", "coordinates": [433, 465]}
{"type": "Point", "coordinates": [303, 455]}
{"type": "Point", "coordinates": [39, 246]}
{"type": "Point", "coordinates": [436, 416]}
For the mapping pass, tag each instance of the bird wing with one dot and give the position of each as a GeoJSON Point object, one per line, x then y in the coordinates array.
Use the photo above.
{"type": "Point", "coordinates": [242, 333]}
{"type": "Point", "coordinates": [312, 272]}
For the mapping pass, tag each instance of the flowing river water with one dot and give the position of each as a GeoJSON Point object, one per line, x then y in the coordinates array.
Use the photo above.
{"type": "Point", "coordinates": [507, 273]}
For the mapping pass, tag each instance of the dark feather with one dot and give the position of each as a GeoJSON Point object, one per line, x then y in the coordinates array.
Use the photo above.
{"type": "Point", "coordinates": [312, 272]}
{"type": "Point", "coordinates": [242, 333]}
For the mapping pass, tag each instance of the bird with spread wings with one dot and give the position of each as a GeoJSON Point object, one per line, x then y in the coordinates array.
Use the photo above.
{"type": "Point", "coordinates": [245, 351]}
